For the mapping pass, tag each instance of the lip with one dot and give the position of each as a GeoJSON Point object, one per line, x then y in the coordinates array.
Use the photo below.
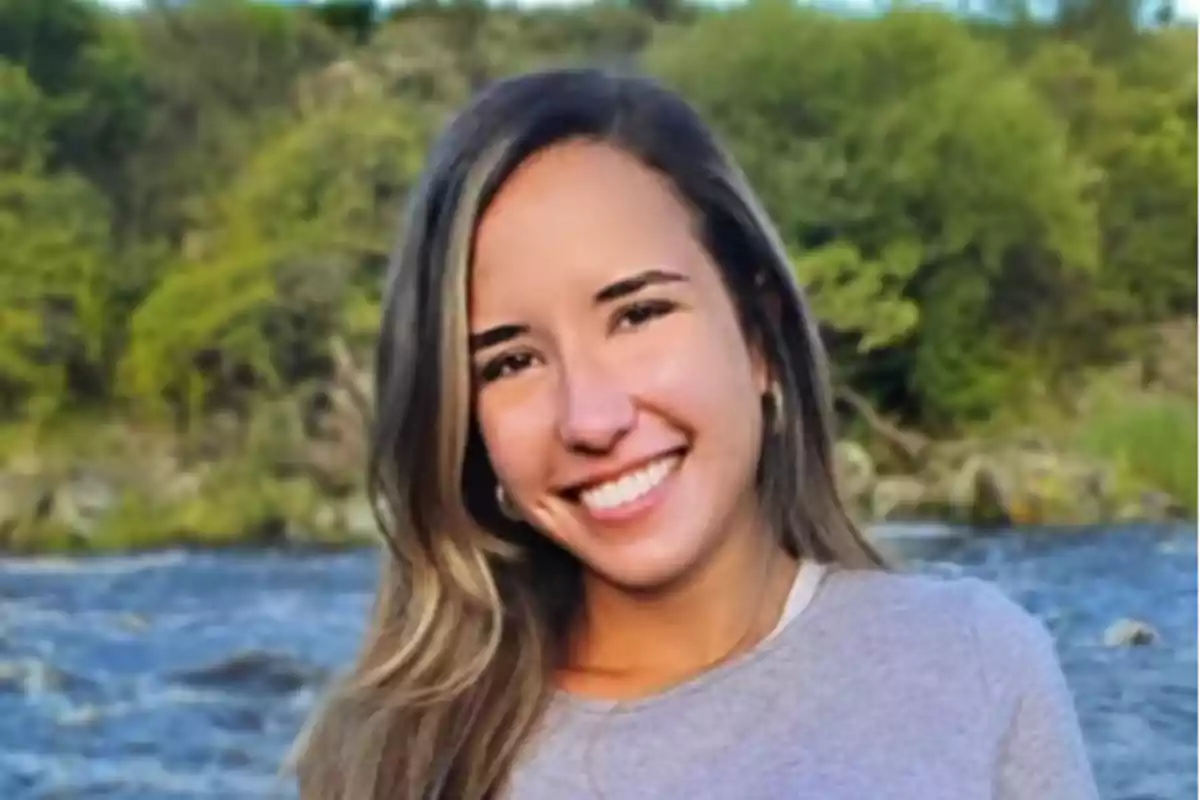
{"type": "Point", "coordinates": [574, 488]}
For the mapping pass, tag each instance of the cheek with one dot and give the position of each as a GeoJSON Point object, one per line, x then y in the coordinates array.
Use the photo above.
{"type": "Point", "coordinates": [515, 436]}
{"type": "Point", "coordinates": [704, 374]}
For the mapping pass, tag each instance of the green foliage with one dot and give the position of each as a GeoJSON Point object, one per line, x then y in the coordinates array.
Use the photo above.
{"type": "Point", "coordinates": [199, 307]}
{"type": "Point", "coordinates": [903, 152]}
{"type": "Point", "coordinates": [217, 73]}
{"type": "Point", "coordinates": [53, 253]}
{"type": "Point", "coordinates": [1152, 439]}
{"type": "Point", "coordinates": [298, 236]}
{"type": "Point", "coordinates": [851, 295]}
{"type": "Point", "coordinates": [25, 119]}
{"type": "Point", "coordinates": [353, 18]}
{"type": "Point", "coordinates": [1142, 143]}
{"type": "Point", "coordinates": [49, 39]}
{"type": "Point", "coordinates": [196, 198]}
{"type": "Point", "coordinates": [86, 64]}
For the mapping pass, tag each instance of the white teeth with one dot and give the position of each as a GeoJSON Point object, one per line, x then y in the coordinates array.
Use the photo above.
{"type": "Point", "coordinates": [628, 487]}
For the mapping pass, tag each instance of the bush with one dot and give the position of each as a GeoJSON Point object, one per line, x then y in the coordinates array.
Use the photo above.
{"type": "Point", "coordinates": [1151, 439]}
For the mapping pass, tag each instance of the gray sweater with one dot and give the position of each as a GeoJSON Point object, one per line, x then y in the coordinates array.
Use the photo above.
{"type": "Point", "coordinates": [880, 686]}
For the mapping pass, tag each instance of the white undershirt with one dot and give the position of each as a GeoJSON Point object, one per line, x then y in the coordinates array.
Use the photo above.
{"type": "Point", "coordinates": [808, 578]}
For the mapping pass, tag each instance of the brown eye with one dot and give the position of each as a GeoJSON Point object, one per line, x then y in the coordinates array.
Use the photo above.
{"type": "Point", "coordinates": [638, 314]}
{"type": "Point", "coordinates": [504, 366]}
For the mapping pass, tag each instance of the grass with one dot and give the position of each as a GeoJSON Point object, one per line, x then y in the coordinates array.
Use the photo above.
{"type": "Point", "coordinates": [1151, 438]}
{"type": "Point", "coordinates": [237, 497]}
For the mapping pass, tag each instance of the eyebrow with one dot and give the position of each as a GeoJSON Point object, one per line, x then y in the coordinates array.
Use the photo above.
{"type": "Point", "coordinates": [494, 336]}
{"type": "Point", "coordinates": [614, 291]}
{"type": "Point", "coordinates": [635, 283]}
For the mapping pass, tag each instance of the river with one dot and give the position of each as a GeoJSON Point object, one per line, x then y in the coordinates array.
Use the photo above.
{"type": "Point", "coordinates": [186, 675]}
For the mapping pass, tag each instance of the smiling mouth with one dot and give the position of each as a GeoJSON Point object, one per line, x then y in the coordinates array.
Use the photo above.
{"type": "Point", "coordinates": [609, 496]}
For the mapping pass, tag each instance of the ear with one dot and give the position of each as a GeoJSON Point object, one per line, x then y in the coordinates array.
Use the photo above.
{"type": "Point", "coordinates": [760, 366]}
{"type": "Point", "coordinates": [768, 301]}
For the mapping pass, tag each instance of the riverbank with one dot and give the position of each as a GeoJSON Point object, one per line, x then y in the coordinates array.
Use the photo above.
{"type": "Point", "coordinates": [289, 474]}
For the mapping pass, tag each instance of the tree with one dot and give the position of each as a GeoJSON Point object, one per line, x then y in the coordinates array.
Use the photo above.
{"type": "Point", "coordinates": [53, 249]}
{"type": "Point", "coordinates": [25, 119]}
{"type": "Point", "coordinates": [85, 64]}
{"type": "Point", "coordinates": [1141, 141]}
{"type": "Point", "coordinates": [905, 152]}
{"type": "Point", "coordinates": [293, 246]}
{"type": "Point", "coordinates": [218, 73]}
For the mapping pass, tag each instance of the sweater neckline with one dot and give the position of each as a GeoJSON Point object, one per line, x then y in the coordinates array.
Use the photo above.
{"type": "Point", "coordinates": [804, 589]}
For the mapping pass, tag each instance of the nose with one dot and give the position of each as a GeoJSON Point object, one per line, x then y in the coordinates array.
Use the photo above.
{"type": "Point", "coordinates": [595, 411]}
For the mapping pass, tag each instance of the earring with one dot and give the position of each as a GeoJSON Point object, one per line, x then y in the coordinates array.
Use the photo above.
{"type": "Point", "coordinates": [773, 406]}
{"type": "Point", "coordinates": [506, 505]}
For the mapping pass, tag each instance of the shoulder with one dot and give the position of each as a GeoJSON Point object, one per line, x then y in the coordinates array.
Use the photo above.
{"type": "Point", "coordinates": [911, 597]}
{"type": "Point", "coordinates": [967, 620]}
{"type": "Point", "coordinates": [957, 654]}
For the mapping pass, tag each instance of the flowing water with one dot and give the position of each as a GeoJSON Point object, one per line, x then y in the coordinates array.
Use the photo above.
{"type": "Point", "coordinates": [186, 675]}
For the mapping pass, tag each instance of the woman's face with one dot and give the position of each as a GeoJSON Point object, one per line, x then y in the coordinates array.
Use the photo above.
{"type": "Point", "coordinates": [616, 394]}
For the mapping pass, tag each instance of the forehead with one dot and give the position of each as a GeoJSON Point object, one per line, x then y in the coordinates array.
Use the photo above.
{"type": "Point", "coordinates": [578, 212]}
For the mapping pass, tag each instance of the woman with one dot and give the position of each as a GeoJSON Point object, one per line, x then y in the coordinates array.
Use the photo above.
{"type": "Point", "coordinates": [617, 563]}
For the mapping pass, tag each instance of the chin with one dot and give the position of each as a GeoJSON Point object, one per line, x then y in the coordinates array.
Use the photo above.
{"type": "Point", "coordinates": [645, 566]}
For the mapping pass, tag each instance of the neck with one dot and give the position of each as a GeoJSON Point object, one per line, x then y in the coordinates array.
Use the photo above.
{"type": "Point", "coordinates": [631, 642]}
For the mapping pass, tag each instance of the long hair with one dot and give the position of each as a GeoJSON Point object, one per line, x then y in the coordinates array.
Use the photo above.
{"type": "Point", "coordinates": [472, 610]}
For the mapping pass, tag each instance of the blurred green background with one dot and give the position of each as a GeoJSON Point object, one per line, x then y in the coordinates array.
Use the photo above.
{"type": "Point", "coordinates": [994, 211]}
